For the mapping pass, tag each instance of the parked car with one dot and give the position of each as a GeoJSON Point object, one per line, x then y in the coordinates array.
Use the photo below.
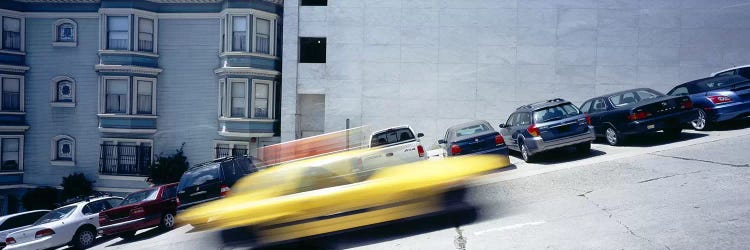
{"type": "Point", "coordinates": [14, 222]}
{"type": "Point", "coordinates": [476, 137]}
{"type": "Point", "coordinates": [546, 125]}
{"type": "Point", "coordinates": [618, 115]}
{"type": "Point", "coordinates": [718, 98]}
{"type": "Point", "coordinates": [393, 146]}
{"type": "Point", "coordinates": [211, 180]}
{"type": "Point", "coordinates": [73, 225]}
{"type": "Point", "coordinates": [143, 209]}
{"type": "Point", "coordinates": [743, 71]}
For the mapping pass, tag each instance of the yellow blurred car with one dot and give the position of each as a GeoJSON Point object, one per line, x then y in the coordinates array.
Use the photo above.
{"type": "Point", "coordinates": [332, 193]}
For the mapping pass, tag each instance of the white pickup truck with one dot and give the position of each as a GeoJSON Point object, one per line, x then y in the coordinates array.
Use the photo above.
{"type": "Point", "coordinates": [393, 146]}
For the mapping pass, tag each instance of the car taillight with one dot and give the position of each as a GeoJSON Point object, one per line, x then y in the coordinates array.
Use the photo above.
{"type": "Point", "coordinates": [499, 140]}
{"type": "Point", "coordinates": [420, 150]}
{"type": "Point", "coordinates": [533, 130]}
{"type": "Point", "coordinates": [10, 240]}
{"type": "Point", "coordinates": [686, 104]}
{"type": "Point", "coordinates": [137, 210]}
{"type": "Point", "coordinates": [638, 115]}
{"type": "Point", "coordinates": [178, 201]}
{"type": "Point", "coordinates": [225, 190]}
{"type": "Point", "coordinates": [588, 119]}
{"type": "Point", "coordinates": [719, 99]}
{"type": "Point", "coordinates": [44, 232]}
{"type": "Point", "coordinates": [455, 149]}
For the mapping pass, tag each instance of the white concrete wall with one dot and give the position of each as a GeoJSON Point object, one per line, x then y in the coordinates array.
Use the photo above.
{"type": "Point", "coordinates": [435, 63]}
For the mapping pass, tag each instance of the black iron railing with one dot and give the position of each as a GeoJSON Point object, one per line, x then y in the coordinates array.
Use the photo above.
{"type": "Point", "coordinates": [125, 159]}
{"type": "Point", "coordinates": [224, 152]}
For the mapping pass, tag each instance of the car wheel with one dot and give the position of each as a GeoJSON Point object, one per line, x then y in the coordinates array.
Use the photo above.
{"type": "Point", "coordinates": [167, 221]}
{"type": "Point", "coordinates": [613, 138]}
{"type": "Point", "coordinates": [84, 238]}
{"type": "Point", "coordinates": [673, 132]}
{"type": "Point", "coordinates": [700, 123]}
{"type": "Point", "coordinates": [583, 148]}
{"type": "Point", "coordinates": [127, 235]}
{"type": "Point", "coordinates": [525, 153]}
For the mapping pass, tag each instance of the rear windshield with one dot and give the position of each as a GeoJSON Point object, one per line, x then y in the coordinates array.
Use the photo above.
{"type": "Point", "coordinates": [555, 113]}
{"type": "Point", "coordinates": [718, 83]}
{"type": "Point", "coordinates": [55, 215]}
{"type": "Point", "coordinates": [472, 130]}
{"type": "Point", "coordinates": [391, 136]}
{"type": "Point", "coordinates": [145, 195]}
{"type": "Point", "coordinates": [200, 176]}
{"type": "Point", "coordinates": [622, 99]}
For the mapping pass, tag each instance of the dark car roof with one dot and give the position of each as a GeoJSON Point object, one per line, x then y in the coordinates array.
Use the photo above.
{"type": "Point", "coordinates": [695, 82]}
{"type": "Point", "coordinates": [542, 104]}
{"type": "Point", "coordinates": [466, 124]}
{"type": "Point", "coordinates": [624, 91]}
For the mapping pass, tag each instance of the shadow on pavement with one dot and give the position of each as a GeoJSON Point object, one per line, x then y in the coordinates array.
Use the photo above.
{"type": "Point", "coordinates": [150, 233]}
{"type": "Point", "coordinates": [658, 138]}
{"type": "Point", "coordinates": [559, 156]}
{"type": "Point", "coordinates": [732, 125]}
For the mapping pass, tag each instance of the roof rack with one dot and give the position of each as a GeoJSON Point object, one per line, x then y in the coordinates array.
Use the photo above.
{"type": "Point", "coordinates": [80, 198]}
{"type": "Point", "coordinates": [530, 106]}
{"type": "Point", "coordinates": [219, 160]}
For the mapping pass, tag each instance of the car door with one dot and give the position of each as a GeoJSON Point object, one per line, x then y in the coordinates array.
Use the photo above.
{"type": "Point", "coordinates": [523, 121]}
{"type": "Point", "coordinates": [169, 198]}
{"type": "Point", "coordinates": [507, 133]}
{"type": "Point", "coordinates": [596, 112]}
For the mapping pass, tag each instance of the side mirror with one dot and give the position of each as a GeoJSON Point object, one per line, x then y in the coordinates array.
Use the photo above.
{"type": "Point", "coordinates": [441, 141]}
{"type": "Point", "coordinates": [419, 135]}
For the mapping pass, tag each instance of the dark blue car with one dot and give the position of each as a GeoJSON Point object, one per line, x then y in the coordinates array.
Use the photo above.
{"type": "Point", "coordinates": [547, 125]}
{"type": "Point", "coordinates": [476, 137]}
{"type": "Point", "coordinates": [718, 98]}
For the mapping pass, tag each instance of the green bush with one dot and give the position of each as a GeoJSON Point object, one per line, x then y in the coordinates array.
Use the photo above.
{"type": "Point", "coordinates": [75, 185]}
{"type": "Point", "coordinates": [40, 198]}
{"type": "Point", "coordinates": [169, 169]}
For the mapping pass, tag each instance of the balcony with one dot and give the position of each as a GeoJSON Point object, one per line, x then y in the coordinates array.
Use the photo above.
{"type": "Point", "coordinates": [225, 151]}
{"type": "Point", "coordinates": [130, 160]}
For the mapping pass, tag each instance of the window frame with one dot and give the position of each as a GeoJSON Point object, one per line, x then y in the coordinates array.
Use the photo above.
{"type": "Point", "coordinates": [117, 141]}
{"type": "Point", "coordinates": [22, 92]}
{"type": "Point", "coordinates": [22, 32]}
{"type": "Point", "coordinates": [20, 151]}
{"type": "Point", "coordinates": [324, 52]}
{"type": "Point", "coordinates": [55, 158]}
{"type": "Point", "coordinates": [134, 101]}
{"type": "Point", "coordinates": [103, 95]}
{"type": "Point", "coordinates": [54, 94]}
{"type": "Point", "coordinates": [231, 32]}
{"type": "Point", "coordinates": [226, 36]}
{"type": "Point", "coordinates": [229, 96]}
{"type": "Point", "coordinates": [105, 41]}
{"type": "Point", "coordinates": [232, 145]}
{"type": "Point", "coordinates": [222, 106]}
{"type": "Point", "coordinates": [271, 33]}
{"type": "Point", "coordinates": [154, 34]}
{"type": "Point", "coordinates": [56, 42]}
{"type": "Point", "coordinates": [271, 95]}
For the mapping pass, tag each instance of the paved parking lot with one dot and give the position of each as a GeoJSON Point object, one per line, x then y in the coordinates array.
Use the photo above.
{"type": "Point", "coordinates": [650, 194]}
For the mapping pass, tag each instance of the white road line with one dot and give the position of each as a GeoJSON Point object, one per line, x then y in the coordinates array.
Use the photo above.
{"type": "Point", "coordinates": [497, 229]}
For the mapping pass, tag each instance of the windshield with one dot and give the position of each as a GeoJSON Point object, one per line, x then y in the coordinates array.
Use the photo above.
{"type": "Point", "coordinates": [145, 195]}
{"type": "Point", "coordinates": [472, 130]}
{"type": "Point", "coordinates": [718, 83]}
{"type": "Point", "coordinates": [200, 176]}
{"type": "Point", "coordinates": [633, 97]}
{"type": "Point", "coordinates": [555, 113]}
{"type": "Point", "coordinates": [55, 215]}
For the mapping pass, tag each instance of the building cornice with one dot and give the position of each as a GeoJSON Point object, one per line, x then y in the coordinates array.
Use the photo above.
{"type": "Point", "coordinates": [13, 128]}
{"type": "Point", "coordinates": [127, 69]}
{"type": "Point", "coordinates": [246, 71]}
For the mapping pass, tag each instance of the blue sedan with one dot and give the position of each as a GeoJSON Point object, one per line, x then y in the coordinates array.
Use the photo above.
{"type": "Point", "coordinates": [718, 98]}
{"type": "Point", "coordinates": [476, 137]}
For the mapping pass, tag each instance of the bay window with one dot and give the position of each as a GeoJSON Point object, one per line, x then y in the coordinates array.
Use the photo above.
{"type": "Point", "coordinates": [117, 33]}
{"type": "Point", "coordinates": [126, 96]}
{"type": "Point", "coordinates": [11, 94]}
{"type": "Point", "coordinates": [262, 94]}
{"type": "Point", "coordinates": [116, 98]}
{"type": "Point", "coordinates": [239, 99]}
{"type": "Point", "coordinates": [239, 33]}
{"type": "Point", "coordinates": [10, 157]}
{"type": "Point", "coordinates": [11, 33]}
{"type": "Point", "coordinates": [262, 36]}
{"type": "Point", "coordinates": [252, 33]}
{"type": "Point", "coordinates": [145, 34]}
{"type": "Point", "coordinates": [144, 98]}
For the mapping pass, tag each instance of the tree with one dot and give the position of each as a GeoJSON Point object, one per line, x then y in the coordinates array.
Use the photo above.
{"type": "Point", "coordinates": [169, 169]}
{"type": "Point", "coordinates": [40, 198]}
{"type": "Point", "coordinates": [75, 185]}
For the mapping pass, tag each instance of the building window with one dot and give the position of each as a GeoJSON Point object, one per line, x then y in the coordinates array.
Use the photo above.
{"type": "Point", "coordinates": [312, 49]}
{"type": "Point", "coordinates": [230, 148]}
{"type": "Point", "coordinates": [116, 97]}
{"type": "Point", "coordinates": [11, 97]}
{"type": "Point", "coordinates": [239, 98]}
{"type": "Point", "coordinates": [262, 103]}
{"type": "Point", "coordinates": [145, 95]}
{"type": "Point", "coordinates": [63, 150]}
{"type": "Point", "coordinates": [262, 36]}
{"type": "Point", "coordinates": [125, 157]}
{"type": "Point", "coordinates": [145, 35]}
{"type": "Point", "coordinates": [11, 33]}
{"type": "Point", "coordinates": [65, 32]}
{"type": "Point", "coordinates": [239, 33]}
{"type": "Point", "coordinates": [117, 32]}
{"type": "Point", "coordinates": [314, 3]}
{"type": "Point", "coordinates": [10, 158]}
{"type": "Point", "coordinates": [63, 91]}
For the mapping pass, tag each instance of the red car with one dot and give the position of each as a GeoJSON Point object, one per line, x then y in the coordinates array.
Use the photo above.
{"type": "Point", "coordinates": [143, 209]}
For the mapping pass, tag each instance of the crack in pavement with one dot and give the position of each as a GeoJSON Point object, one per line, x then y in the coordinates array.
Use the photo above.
{"type": "Point", "coordinates": [706, 161]}
{"type": "Point", "coordinates": [668, 176]}
{"type": "Point", "coordinates": [460, 241]}
{"type": "Point", "coordinates": [611, 216]}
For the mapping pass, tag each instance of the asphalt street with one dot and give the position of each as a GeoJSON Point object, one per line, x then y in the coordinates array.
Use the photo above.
{"type": "Point", "coordinates": [653, 193]}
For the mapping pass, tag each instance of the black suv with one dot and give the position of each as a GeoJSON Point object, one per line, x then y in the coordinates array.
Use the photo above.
{"type": "Point", "coordinates": [211, 180]}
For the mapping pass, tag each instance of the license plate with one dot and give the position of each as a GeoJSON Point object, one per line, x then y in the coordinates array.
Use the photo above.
{"type": "Point", "coordinates": [650, 126]}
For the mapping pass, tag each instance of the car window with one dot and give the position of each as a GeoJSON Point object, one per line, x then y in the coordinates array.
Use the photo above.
{"type": "Point", "coordinates": [726, 73]}
{"type": "Point", "coordinates": [628, 98]}
{"type": "Point", "coordinates": [114, 202]}
{"type": "Point", "coordinates": [57, 214]}
{"type": "Point", "coordinates": [679, 91]}
{"type": "Point", "coordinates": [140, 196]}
{"type": "Point", "coordinates": [12, 222]}
{"type": "Point", "coordinates": [391, 136]}
{"type": "Point", "coordinates": [598, 106]}
{"type": "Point", "coordinates": [744, 72]}
{"type": "Point", "coordinates": [646, 94]}
{"type": "Point", "coordinates": [511, 120]}
{"type": "Point", "coordinates": [523, 119]}
{"type": "Point", "coordinates": [718, 83]}
{"type": "Point", "coordinates": [169, 192]}
{"type": "Point", "coordinates": [555, 113]}
{"type": "Point", "coordinates": [200, 176]}
{"type": "Point", "coordinates": [586, 106]}
{"type": "Point", "coordinates": [97, 206]}
{"type": "Point", "coordinates": [472, 130]}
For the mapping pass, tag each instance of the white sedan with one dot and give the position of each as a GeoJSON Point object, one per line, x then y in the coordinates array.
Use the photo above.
{"type": "Point", "coordinates": [75, 224]}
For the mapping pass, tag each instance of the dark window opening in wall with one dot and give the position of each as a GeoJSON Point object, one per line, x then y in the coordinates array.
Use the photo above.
{"type": "Point", "coordinates": [314, 3]}
{"type": "Point", "coordinates": [312, 49]}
